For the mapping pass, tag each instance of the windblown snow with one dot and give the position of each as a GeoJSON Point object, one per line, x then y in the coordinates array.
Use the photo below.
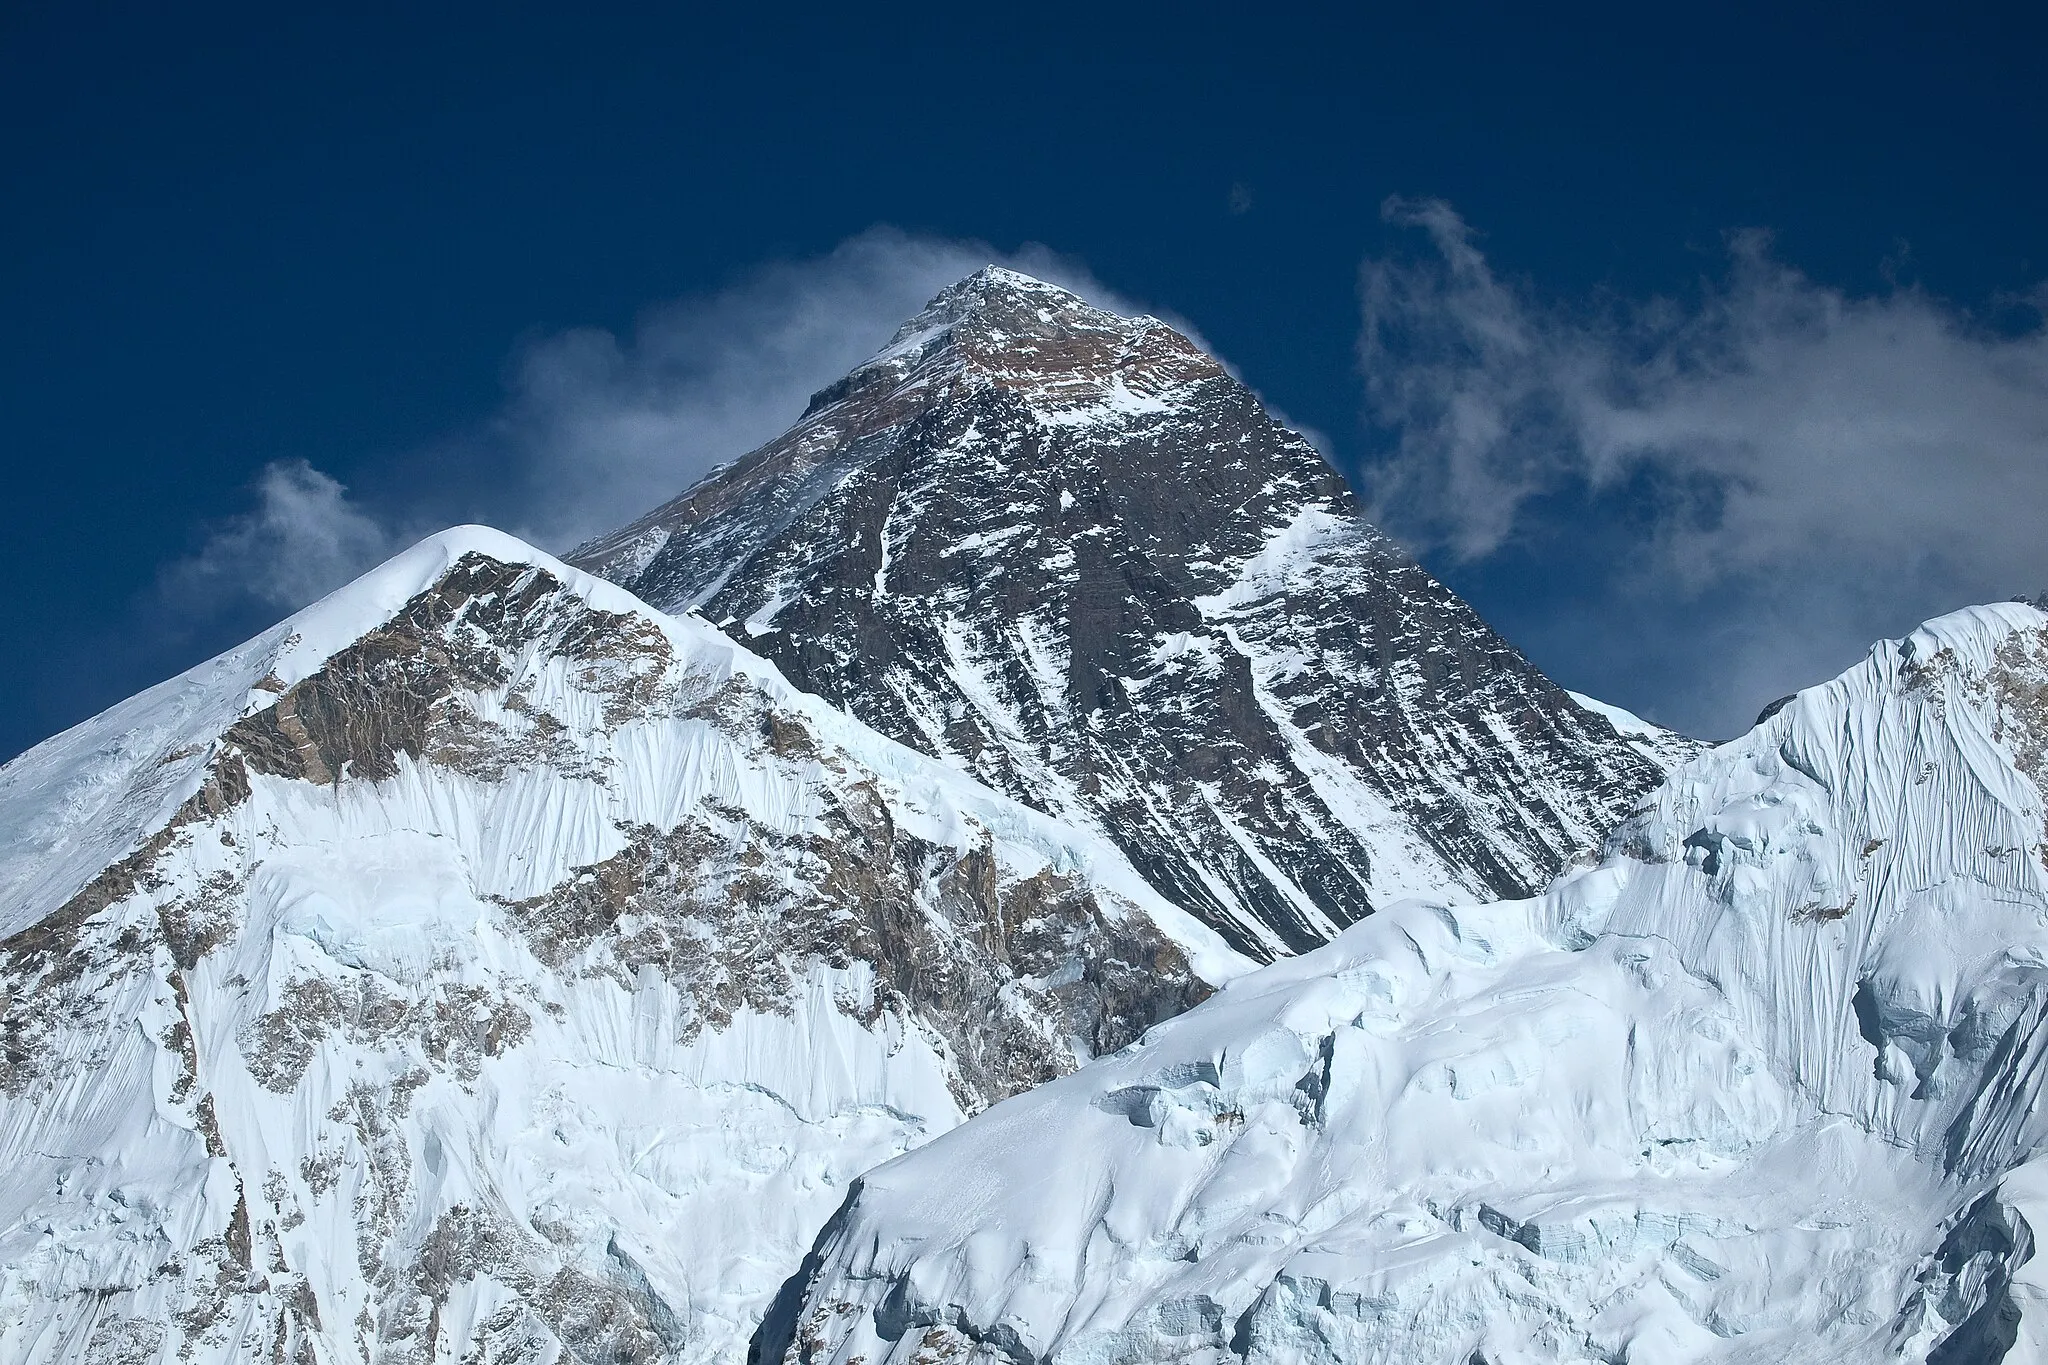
{"type": "Point", "coordinates": [1763, 1085]}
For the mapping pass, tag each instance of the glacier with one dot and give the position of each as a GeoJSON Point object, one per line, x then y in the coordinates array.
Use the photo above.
{"type": "Point", "coordinates": [1762, 1082]}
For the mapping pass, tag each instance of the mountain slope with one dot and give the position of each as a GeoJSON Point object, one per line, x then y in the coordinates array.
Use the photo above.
{"type": "Point", "coordinates": [483, 965]}
{"type": "Point", "coordinates": [1067, 552]}
{"type": "Point", "coordinates": [1764, 1086]}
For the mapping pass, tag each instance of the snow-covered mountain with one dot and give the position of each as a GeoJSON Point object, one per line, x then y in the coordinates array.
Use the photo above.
{"type": "Point", "coordinates": [1067, 552]}
{"type": "Point", "coordinates": [1765, 1085]}
{"type": "Point", "coordinates": [483, 966]}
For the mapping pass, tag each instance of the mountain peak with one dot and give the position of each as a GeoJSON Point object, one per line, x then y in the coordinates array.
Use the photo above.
{"type": "Point", "coordinates": [481, 856]}
{"type": "Point", "coordinates": [994, 294]}
{"type": "Point", "coordinates": [1065, 550]}
{"type": "Point", "coordinates": [999, 289]}
{"type": "Point", "coordinates": [1013, 279]}
{"type": "Point", "coordinates": [1039, 340]}
{"type": "Point", "coordinates": [1001, 279]}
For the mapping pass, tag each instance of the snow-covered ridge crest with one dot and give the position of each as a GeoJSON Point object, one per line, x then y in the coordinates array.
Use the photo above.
{"type": "Point", "coordinates": [345, 615]}
{"type": "Point", "coordinates": [88, 796]}
{"type": "Point", "coordinates": [1666, 748]}
{"type": "Point", "coordinates": [1763, 1085]}
{"type": "Point", "coordinates": [410, 976]}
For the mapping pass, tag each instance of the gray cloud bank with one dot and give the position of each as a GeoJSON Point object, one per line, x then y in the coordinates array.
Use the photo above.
{"type": "Point", "coordinates": [1788, 472]}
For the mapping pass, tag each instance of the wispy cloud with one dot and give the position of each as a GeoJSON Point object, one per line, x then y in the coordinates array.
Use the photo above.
{"type": "Point", "coordinates": [303, 537]}
{"type": "Point", "coordinates": [601, 428]}
{"type": "Point", "coordinates": [1795, 470]}
{"type": "Point", "coordinates": [597, 428]}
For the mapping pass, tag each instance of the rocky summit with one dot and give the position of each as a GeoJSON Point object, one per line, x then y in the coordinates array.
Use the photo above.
{"type": "Point", "coordinates": [1068, 552]}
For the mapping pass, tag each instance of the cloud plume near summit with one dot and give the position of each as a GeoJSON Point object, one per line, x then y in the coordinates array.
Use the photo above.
{"type": "Point", "coordinates": [1795, 470]}
{"type": "Point", "coordinates": [603, 427]}
{"type": "Point", "coordinates": [596, 427]}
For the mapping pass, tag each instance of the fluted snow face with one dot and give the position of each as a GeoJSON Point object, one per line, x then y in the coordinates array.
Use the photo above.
{"type": "Point", "coordinates": [482, 965]}
{"type": "Point", "coordinates": [1764, 1085]}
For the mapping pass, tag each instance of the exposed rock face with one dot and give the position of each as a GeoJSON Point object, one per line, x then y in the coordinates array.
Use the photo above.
{"type": "Point", "coordinates": [517, 973]}
{"type": "Point", "coordinates": [1066, 551]}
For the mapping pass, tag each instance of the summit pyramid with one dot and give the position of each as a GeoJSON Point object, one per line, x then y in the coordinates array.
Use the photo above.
{"type": "Point", "coordinates": [1068, 552]}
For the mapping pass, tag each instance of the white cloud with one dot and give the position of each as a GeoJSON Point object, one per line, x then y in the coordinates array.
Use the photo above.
{"type": "Point", "coordinates": [601, 429]}
{"type": "Point", "coordinates": [597, 429]}
{"type": "Point", "coordinates": [1803, 469]}
{"type": "Point", "coordinates": [304, 538]}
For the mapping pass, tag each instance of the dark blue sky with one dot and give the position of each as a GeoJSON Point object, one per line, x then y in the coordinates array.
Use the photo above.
{"type": "Point", "coordinates": [317, 233]}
